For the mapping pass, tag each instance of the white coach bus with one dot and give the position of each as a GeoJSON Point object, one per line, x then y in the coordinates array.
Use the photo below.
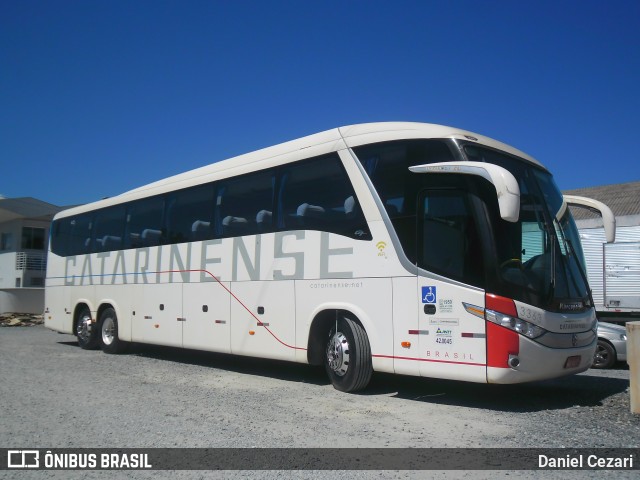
{"type": "Point", "coordinates": [408, 248]}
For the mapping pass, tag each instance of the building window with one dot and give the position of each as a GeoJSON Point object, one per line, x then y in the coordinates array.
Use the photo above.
{"type": "Point", "coordinates": [32, 238]}
{"type": "Point", "coordinates": [6, 242]}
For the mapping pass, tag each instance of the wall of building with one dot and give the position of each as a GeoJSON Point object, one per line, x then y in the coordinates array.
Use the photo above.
{"type": "Point", "coordinates": [21, 290]}
{"type": "Point", "coordinates": [22, 300]}
{"type": "Point", "coordinates": [8, 273]}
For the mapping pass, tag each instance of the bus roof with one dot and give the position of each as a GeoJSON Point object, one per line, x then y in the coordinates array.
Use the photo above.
{"type": "Point", "coordinates": [319, 143]}
{"type": "Point", "coordinates": [364, 133]}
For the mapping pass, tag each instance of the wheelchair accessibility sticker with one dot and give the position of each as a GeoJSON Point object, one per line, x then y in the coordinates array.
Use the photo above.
{"type": "Point", "coordinates": [428, 294]}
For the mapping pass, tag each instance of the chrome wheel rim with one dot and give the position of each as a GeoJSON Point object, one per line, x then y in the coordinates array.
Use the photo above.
{"type": "Point", "coordinates": [338, 354]}
{"type": "Point", "coordinates": [602, 356]}
{"type": "Point", "coordinates": [83, 329]}
{"type": "Point", "coordinates": [108, 331]}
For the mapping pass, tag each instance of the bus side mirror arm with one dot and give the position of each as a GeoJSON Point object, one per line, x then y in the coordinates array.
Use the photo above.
{"type": "Point", "coordinates": [608, 218]}
{"type": "Point", "coordinates": [506, 185]}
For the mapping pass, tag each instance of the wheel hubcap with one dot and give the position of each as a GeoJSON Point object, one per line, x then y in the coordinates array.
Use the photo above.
{"type": "Point", "coordinates": [83, 329]}
{"type": "Point", "coordinates": [601, 356]}
{"type": "Point", "coordinates": [108, 331]}
{"type": "Point", "coordinates": [338, 354]}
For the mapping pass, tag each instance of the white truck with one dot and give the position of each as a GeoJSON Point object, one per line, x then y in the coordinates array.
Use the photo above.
{"type": "Point", "coordinates": [614, 272]}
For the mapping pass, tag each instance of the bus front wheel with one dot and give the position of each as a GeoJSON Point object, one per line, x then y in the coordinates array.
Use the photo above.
{"type": "Point", "coordinates": [109, 340]}
{"type": "Point", "coordinates": [347, 357]}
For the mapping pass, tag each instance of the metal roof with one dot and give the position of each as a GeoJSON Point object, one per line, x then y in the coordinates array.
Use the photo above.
{"type": "Point", "coordinates": [26, 207]}
{"type": "Point", "coordinates": [622, 198]}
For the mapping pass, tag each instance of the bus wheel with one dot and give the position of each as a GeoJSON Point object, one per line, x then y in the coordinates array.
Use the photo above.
{"type": "Point", "coordinates": [348, 356]}
{"type": "Point", "coordinates": [86, 330]}
{"type": "Point", "coordinates": [109, 333]}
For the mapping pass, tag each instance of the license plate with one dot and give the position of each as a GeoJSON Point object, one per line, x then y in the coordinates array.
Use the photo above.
{"type": "Point", "coordinates": [573, 362]}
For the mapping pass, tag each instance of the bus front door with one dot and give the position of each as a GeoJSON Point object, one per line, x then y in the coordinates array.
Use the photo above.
{"type": "Point", "coordinates": [451, 300]}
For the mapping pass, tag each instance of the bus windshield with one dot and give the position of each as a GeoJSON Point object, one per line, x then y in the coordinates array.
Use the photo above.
{"type": "Point", "coordinates": [539, 257]}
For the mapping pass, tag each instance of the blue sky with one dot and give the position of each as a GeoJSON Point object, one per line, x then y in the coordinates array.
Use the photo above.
{"type": "Point", "coordinates": [98, 97]}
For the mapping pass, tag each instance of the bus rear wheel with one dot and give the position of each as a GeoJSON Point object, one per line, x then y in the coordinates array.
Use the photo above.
{"type": "Point", "coordinates": [109, 340]}
{"type": "Point", "coordinates": [86, 330]}
{"type": "Point", "coordinates": [347, 357]}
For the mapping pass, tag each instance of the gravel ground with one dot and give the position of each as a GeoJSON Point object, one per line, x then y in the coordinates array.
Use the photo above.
{"type": "Point", "coordinates": [56, 395]}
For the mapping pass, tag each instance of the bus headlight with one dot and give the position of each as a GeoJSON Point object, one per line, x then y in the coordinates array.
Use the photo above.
{"type": "Point", "coordinates": [516, 324]}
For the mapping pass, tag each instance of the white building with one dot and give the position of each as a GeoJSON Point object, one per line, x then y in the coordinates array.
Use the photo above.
{"type": "Point", "coordinates": [24, 233]}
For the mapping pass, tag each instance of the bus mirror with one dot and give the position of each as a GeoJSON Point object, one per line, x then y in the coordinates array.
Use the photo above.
{"type": "Point", "coordinates": [507, 189]}
{"type": "Point", "coordinates": [608, 218]}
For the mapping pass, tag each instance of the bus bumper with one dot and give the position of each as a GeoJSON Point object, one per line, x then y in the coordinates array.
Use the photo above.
{"type": "Point", "coordinates": [538, 362]}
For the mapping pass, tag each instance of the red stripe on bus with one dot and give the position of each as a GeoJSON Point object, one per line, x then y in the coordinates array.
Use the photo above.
{"type": "Point", "coordinates": [260, 323]}
{"type": "Point", "coordinates": [393, 357]}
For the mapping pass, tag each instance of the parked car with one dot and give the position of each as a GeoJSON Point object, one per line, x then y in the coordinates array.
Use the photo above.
{"type": "Point", "coordinates": [612, 345]}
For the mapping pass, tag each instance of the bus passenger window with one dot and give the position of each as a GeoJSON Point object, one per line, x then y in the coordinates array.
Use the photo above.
{"type": "Point", "coordinates": [108, 229]}
{"type": "Point", "coordinates": [244, 204]}
{"type": "Point", "coordinates": [190, 214]}
{"type": "Point", "coordinates": [144, 223]}
{"type": "Point", "coordinates": [72, 235]}
{"type": "Point", "coordinates": [316, 194]}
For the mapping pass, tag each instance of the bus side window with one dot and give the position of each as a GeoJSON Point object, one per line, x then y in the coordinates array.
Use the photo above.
{"type": "Point", "coordinates": [244, 204]}
{"type": "Point", "coordinates": [316, 194]}
{"type": "Point", "coordinates": [387, 165]}
{"type": "Point", "coordinates": [190, 214]}
{"type": "Point", "coordinates": [59, 236]}
{"type": "Point", "coordinates": [449, 239]}
{"type": "Point", "coordinates": [72, 235]}
{"type": "Point", "coordinates": [144, 223]}
{"type": "Point", "coordinates": [108, 229]}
